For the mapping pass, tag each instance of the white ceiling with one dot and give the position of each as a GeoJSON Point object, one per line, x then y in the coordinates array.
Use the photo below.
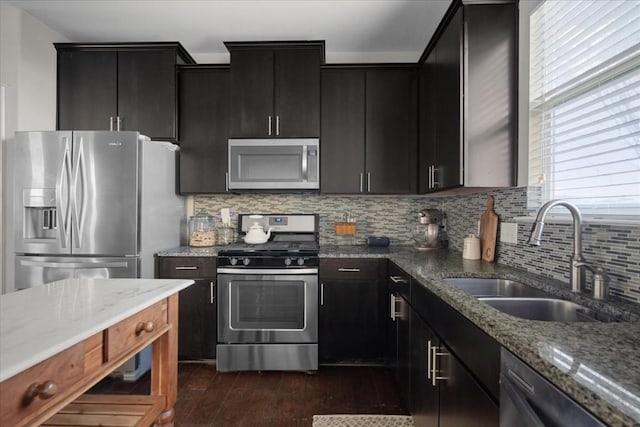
{"type": "Point", "coordinates": [354, 30]}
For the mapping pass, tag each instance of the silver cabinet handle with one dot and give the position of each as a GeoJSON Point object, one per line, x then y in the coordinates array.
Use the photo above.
{"type": "Point", "coordinates": [361, 182]}
{"type": "Point", "coordinates": [211, 292]}
{"type": "Point", "coordinates": [398, 279]}
{"type": "Point", "coordinates": [111, 123]}
{"type": "Point", "coordinates": [429, 359]}
{"type": "Point", "coordinates": [430, 186]}
{"type": "Point", "coordinates": [434, 181]}
{"type": "Point", "coordinates": [394, 302]}
{"type": "Point", "coordinates": [226, 181]}
{"type": "Point", "coordinates": [186, 267]}
{"type": "Point", "coordinates": [118, 123]}
{"type": "Point", "coordinates": [348, 270]}
{"type": "Point", "coordinates": [321, 293]}
{"type": "Point", "coordinates": [270, 120]}
{"type": "Point", "coordinates": [278, 125]}
{"type": "Point", "coordinates": [368, 182]}
{"type": "Point", "coordinates": [434, 359]}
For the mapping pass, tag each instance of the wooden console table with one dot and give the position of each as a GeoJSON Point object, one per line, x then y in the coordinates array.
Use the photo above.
{"type": "Point", "coordinates": [60, 339]}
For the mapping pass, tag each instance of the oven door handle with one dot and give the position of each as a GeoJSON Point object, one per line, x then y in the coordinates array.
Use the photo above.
{"type": "Point", "coordinates": [268, 271]}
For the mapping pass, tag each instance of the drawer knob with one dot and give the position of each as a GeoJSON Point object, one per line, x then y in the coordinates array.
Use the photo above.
{"type": "Point", "coordinates": [144, 327]}
{"type": "Point", "coordinates": [46, 390]}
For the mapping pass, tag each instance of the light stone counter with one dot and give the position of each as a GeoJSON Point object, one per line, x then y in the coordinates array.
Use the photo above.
{"type": "Point", "coordinates": [597, 364]}
{"type": "Point", "coordinates": [39, 322]}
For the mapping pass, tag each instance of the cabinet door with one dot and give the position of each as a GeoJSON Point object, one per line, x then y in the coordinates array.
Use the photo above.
{"type": "Point", "coordinates": [351, 320]}
{"type": "Point", "coordinates": [403, 371]}
{"type": "Point", "coordinates": [197, 321]}
{"type": "Point", "coordinates": [204, 130]}
{"type": "Point", "coordinates": [297, 93]}
{"type": "Point", "coordinates": [427, 123]}
{"type": "Point", "coordinates": [252, 93]}
{"type": "Point", "coordinates": [342, 151]}
{"type": "Point", "coordinates": [449, 96]}
{"type": "Point", "coordinates": [147, 91]}
{"type": "Point", "coordinates": [424, 394]}
{"type": "Point", "coordinates": [462, 401]}
{"type": "Point", "coordinates": [87, 89]}
{"type": "Point", "coordinates": [391, 145]}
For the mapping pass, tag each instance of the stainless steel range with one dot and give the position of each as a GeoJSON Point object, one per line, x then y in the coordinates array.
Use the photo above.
{"type": "Point", "coordinates": [268, 297]}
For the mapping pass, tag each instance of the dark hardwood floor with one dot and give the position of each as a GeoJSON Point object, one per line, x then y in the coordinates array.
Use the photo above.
{"type": "Point", "coordinates": [210, 398]}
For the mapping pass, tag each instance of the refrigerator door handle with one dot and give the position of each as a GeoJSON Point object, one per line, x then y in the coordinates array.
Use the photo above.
{"type": "Point", "coordinates": [62, 194]}
{"type": "Point", "coordinates": [78, 205]}
{"type": "Point", "coordinates": [53, 264]}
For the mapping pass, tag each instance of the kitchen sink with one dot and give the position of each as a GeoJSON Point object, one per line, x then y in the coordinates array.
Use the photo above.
{"type": "Point", "coordinates": [520, 300]}
{"type": "Point", "coordinates": [547, 309]}
{"type": "Point", "coordinates": [482, 287]}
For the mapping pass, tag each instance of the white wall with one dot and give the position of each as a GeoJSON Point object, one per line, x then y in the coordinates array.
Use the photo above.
{"type": "Point", "coordinates": [28, 75]}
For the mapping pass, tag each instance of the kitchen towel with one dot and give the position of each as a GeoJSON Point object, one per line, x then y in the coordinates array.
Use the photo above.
{"type": "Point", "coordinates": [362, 421]}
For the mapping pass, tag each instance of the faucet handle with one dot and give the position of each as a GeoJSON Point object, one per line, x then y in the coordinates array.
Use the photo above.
{"type": "Point", "coordinates": [600, 284]}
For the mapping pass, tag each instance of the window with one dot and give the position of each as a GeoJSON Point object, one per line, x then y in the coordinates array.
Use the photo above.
{"type": "Point", "coordinates": [584, 113]}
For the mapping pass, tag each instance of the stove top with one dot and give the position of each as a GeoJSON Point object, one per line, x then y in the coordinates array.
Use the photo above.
{"type": "Point", "coordinates": [272, 248]}
{"type": "Point", "coordinates": [292, 234]}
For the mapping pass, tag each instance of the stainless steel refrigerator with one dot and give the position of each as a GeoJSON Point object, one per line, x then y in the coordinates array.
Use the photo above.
{"type": "Point", "coordinates": [93, 204]}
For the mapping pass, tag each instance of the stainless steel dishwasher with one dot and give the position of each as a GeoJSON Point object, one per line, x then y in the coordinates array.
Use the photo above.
{"type": "Point", "coordinates": [529, 400]}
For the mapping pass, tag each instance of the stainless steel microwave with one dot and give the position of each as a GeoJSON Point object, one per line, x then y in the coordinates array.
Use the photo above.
{"type": "Point", "coordinates": [274, 164]}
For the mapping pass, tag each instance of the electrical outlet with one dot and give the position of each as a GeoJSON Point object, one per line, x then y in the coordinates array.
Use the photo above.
{"type": "Point", "coordinates": [509, 232]}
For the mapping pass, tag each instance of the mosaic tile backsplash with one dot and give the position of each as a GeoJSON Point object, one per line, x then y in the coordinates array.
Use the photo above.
{"type": "Point", "coordinates": [615, 247]}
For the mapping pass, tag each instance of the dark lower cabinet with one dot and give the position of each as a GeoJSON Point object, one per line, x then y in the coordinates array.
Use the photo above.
{"type": "Point", "coordinates": [424, 403]}
{"type": "Point", "coordinates": [462, 401]}
{"type": "Point", "coordinates": [197, 323]}
{"type": "Point", "coordinates": [447, 369]}
{"type": "Point", "coordinates": [443, 392]}
{"type": "Point", "coordinates": [353, 311]}
{"type": "Point", "coordinates": [204, 128]}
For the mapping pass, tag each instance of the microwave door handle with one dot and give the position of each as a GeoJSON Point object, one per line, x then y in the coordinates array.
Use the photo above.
{"type": "Point", "coordinates": [305, 164]}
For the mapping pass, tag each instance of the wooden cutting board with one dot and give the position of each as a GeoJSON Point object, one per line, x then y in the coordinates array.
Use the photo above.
{"type": "Point", "coordinates": [488, 231]}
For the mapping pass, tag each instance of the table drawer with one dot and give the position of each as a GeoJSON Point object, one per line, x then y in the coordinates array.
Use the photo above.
{"type": "Point", "coordinates": [186, 267]}
{"type": "Point", "coordinates": [40, 387]}
{"type": "Point", "coordinates": [350, 268]}
{"type": "Point", "coordinates": [138, 329]}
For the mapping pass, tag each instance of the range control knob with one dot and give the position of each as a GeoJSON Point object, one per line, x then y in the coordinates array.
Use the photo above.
{"type": "Point", "coordinates": [287, 261]}
{"type": "Point", "coordinates": [246, 261]}
{"type": "Point", "coordinates": [233, 261]}
{"type": "Point", "coordinates": [300, 261]}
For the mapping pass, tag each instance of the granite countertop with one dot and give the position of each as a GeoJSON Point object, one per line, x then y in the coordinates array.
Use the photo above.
{"type": "Point", "coordinates": [597, 364]}
{"type": "Point", "coordinates": [39, 322]}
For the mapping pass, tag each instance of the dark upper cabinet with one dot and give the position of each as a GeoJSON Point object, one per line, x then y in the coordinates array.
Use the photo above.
{"type": "Point", "coordinates": [119, 86]}
{"type": "Point", "coordinates": [275, 89]}
{"type": "Point", "coordinates": [342, 145]}
{"type": "Point", "coordinates": [468, 110]}
{"type": "Point", "coordinates": [390, 128]}
{"type": "Point", "coordinates": [204, 128]}
{"type": "Point", "coordinates": [87, 89]}
{"type": "Point", "coordinates": [369, 119]}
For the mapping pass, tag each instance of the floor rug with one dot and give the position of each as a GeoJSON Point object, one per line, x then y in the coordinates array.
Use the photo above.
{"type": "Point", "coordinates": [362, 421]}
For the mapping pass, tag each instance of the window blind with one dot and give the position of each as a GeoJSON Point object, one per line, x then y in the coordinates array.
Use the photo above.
{"type": "Point", "coordinates": [584, 114]}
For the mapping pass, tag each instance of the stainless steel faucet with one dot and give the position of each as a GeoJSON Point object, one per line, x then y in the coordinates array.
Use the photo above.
{"type": "Point", "coordinates": [600, 277]}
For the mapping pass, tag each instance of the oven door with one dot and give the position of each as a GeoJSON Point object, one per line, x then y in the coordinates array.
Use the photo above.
{"type": "Point", "coordinates": [267, 306]}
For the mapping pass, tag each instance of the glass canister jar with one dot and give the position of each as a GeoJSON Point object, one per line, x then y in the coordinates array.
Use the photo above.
{"type": "Point", "coordinates": [202, 230]}
{"type": "Point", "coordinates": [226, 235]}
